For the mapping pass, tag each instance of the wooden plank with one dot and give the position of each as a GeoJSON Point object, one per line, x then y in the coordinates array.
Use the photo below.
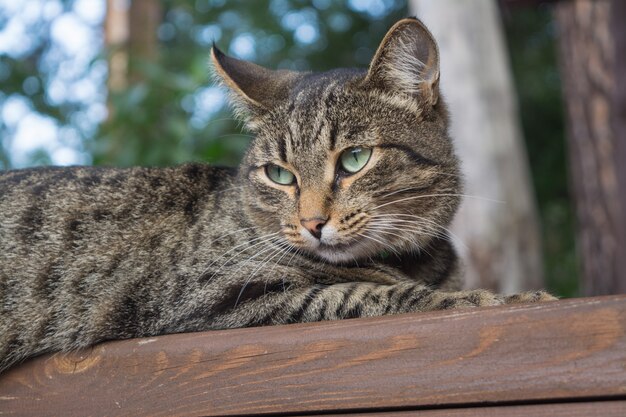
{"type": "Point", "coordinates": [586, 409]}
{"type": "Point", "coordinates": [570, 349]}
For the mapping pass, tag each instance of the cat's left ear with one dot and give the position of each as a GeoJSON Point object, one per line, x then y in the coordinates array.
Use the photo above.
{"type": "Point", "coordinates": [256, 90]}
{"type": "Point", "coordinates": [407, 61]}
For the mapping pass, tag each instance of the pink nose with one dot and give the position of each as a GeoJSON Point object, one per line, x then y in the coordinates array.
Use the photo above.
{"type": "Point", "coordinates": [314, 226]}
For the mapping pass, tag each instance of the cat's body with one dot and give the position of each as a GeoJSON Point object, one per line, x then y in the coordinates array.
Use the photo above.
{"type": "Point", "coordinates": [346, 165]}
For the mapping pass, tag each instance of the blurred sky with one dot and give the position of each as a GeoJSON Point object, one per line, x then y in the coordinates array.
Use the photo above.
{"type": "Point", "coordinates": [75, 40]}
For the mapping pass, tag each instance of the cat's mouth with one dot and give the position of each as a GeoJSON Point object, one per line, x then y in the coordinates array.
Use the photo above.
{"type": "Point", "coordinates": [333, 247]}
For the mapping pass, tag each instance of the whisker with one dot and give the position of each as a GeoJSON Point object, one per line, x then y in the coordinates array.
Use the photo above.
{"type": "Point", "coordinates": [408, 239]}
{"type": "Point", "coordinates": [399, 191]}
{"type": "Point", "coordinates": [457, 240]}
{"type": "Point", "coordinates": [268, 258]}
{"type": "Point", "coordinates": [416, 220]}
{"type": "Point", "coordinates": [355, 260]}
{"type": "Point", "coordinates": [270, 247]}
{"type": "Point", "coordinates": [415, 197]}
{"type": "Point", "coordinates": [428, 233]}
{"type": "Point", "coordinates": [411, 225]}
{"type": "Point", "coordinates": [289, 248]}
{"type": "Point", "coordinates": [297, 251]}
{"type": "Point", "coordinates": [204, 241]}
{"type": "Point", "coordinates": [269, 242]}
{"type": "Point", "coordinates": [263, 239]}
{"type": "Point", "coordinates": [386, 230]}
{"type": "Point", "coordinates": [247, 281]}
{"type": "Point", "coordinates": [448, 174]}
{"type": "Point", "coordinates": [386, 245]}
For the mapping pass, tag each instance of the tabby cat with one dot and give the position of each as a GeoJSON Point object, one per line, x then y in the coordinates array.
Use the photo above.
{"type": "Point", "coordinates": [338, 210]}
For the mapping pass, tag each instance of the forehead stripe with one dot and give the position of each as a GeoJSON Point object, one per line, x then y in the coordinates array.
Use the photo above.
{"type": "Point", "coordinates": [292, 144]}
{"type": "Point", "coordinates": [414, 156]}
{"type": "Point", "coordinates": [333, 136]}
{"type": "Point", "coordinates": [329, 103]}
{"type": "Point", "coordinates": [282, 149]}
{"type": "Point", "coordinates": [318, 132]}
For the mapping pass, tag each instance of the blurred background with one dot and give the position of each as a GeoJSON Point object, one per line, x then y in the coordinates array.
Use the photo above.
{"type": "Point", "coordinates": [536, 103]}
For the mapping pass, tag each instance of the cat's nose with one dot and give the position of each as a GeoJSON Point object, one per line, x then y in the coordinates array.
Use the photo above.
{"type": "Point", "coordinates": [314, 225]}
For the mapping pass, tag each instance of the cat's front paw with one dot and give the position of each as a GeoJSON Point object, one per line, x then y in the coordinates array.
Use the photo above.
{"type": "Point", "coordinates": [482, 298]}
{"type": "Point", "coordinates": [467, 299]}
{"type": "Point", "coordinates": [529, 297]}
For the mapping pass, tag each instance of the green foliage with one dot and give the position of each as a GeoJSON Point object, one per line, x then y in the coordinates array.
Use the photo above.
{"type": "Point", "coordinates": [162, 120]}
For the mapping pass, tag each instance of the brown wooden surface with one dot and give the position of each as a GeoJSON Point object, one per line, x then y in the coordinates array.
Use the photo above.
{"type": "Point", "coordinates": [560, 351]}
{"type": "Point", "coordinates": [587, 409]}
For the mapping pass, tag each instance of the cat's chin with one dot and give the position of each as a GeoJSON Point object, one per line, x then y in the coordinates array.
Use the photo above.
{"type": "Point", "coordinates": [340, 253]}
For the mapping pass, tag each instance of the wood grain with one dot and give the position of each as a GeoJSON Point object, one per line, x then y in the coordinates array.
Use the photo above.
{"type": "Point", "coordinates": [560, 351]}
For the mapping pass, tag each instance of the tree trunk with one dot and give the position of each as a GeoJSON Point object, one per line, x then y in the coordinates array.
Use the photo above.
{"type": "Point", "coordinates": [116, 29]}
{"type": "Point", "coordinates": [143, 43]}
{"type": "Point", "coordinates": [131, 41]}
{"type": "Point", "coordinates": [593, 60]}
{"type": "Point", "coordinates": [131, 37]}
{"type": "Point", "coordinates": [498, 223]}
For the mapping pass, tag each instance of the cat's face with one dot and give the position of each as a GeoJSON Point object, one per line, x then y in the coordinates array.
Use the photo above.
{"type": "Point", "coordinates": [348, 164]}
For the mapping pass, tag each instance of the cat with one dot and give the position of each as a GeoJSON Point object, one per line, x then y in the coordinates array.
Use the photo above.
{"type": "Point", "coordinates": [338, 210]}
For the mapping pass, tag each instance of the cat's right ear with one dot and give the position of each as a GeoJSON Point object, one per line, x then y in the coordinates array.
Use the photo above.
{"type": "Point", "coordinates": [407, 62]}
{"type": "Point", "coordinates": [255, 90]}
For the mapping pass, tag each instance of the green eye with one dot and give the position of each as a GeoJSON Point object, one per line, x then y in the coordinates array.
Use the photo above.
{"type": "Point", "coordinates": [279, 175]}
{"type": "Point", "coordinates": [354, 159]}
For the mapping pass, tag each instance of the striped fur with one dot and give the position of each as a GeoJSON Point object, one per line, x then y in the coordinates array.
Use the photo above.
{"type": "Point", "coordinates": [90, 254]}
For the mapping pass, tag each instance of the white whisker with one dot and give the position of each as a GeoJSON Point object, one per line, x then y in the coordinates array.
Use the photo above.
{"type": "Point", "coordinates": [275, 252]}
{"type": "Point", "coordinates": [385, 245]}
{"type": "Point", "coordinates": [415, 197]}
{"type": "Point", "coordinates": [411, 226]}
{"type": "Point", "coordinates": [450, 235]}
{"type": "Point", "coordinates": [259, 241]}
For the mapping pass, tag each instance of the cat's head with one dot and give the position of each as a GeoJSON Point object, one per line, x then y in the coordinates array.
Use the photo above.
{"type": "Point", "coordinates": [347, 164]}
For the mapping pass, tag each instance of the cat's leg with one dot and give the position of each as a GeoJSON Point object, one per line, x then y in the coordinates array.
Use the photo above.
{"type": "Point", "coordinates": [353, 300]}
{"type": "Point", "coordinates": [529, 297]}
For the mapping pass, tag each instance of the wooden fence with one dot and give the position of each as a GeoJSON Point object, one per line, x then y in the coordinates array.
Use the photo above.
{"type": "Point", "coordinates": [565, 358]}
